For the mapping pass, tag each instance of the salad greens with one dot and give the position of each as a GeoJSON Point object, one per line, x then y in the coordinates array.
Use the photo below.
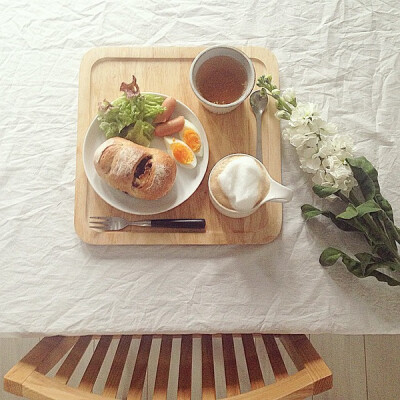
{"type": "Point", "coordinates": [141, 132]}
{"type": "Point", "coordinates": [131, 115]}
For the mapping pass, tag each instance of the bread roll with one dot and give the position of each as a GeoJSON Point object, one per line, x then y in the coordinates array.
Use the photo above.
{"type": "Point", "coordinates": [141, 172]}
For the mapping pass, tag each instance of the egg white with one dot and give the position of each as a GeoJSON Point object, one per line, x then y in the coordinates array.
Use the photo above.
{"type": "Point", "coordinates": [189, 125]}
{"type": "Point", "coordinates": [169, 141]}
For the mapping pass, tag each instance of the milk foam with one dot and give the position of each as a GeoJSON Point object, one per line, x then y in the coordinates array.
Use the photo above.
{"type": "Point", "coordinates": [240, 181]}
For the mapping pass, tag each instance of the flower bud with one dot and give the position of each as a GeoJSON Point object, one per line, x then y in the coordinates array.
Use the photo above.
{"type": "Point", "coordinates": [282, 114]}
{"type": "Point", "coordinates": [263, 92]}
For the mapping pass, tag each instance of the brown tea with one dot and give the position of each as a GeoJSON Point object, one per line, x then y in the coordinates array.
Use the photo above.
{"type": "Point", "coordinates": [221, 80]}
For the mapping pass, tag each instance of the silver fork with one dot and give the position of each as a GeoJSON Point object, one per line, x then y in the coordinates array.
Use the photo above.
{"type": "Point", "coordinates": [117, 223]}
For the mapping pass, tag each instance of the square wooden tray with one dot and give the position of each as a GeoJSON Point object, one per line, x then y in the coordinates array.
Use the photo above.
{"type": "Point", "coordinates": [166, 70]}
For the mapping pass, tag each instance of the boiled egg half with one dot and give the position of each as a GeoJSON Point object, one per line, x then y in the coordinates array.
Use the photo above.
{"type": "Point", "coordinates": [192, 138]}
{"type": "Point", "coordinates": [180, 152]}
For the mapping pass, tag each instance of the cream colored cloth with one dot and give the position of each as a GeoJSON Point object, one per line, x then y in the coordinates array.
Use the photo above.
{"type": "Point", "coordinates": [343, 56]}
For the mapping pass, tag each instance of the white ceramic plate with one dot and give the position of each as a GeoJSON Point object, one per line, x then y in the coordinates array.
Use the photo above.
{"type": "Point", "coordinates": [187, 180]}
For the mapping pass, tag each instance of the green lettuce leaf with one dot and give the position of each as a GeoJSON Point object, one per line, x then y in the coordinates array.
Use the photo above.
{"type": "Point", "coordinates": [126, 112]}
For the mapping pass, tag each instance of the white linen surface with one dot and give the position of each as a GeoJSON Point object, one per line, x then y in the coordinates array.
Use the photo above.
{"type": "Point", "coordinates": [343, 56]}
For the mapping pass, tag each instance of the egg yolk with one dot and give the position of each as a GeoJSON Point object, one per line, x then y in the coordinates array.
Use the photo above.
{"type": "Point", "coordinates": [192, 139]}
{"type": "Point", "coordinates": [181, 153]}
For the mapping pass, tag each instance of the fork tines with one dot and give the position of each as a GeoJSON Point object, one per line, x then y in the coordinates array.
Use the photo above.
{"type": "Point", "coordinates": [98, 222]}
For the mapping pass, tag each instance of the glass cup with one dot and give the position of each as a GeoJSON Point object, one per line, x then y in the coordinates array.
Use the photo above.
{"type": "Point", "coordinates": [224, 51]}
{"type": "Point", "coordinates": [277, 192]}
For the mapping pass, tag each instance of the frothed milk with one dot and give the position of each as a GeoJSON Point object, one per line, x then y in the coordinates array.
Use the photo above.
{"type": "Point", "coordinates": [239, 182]}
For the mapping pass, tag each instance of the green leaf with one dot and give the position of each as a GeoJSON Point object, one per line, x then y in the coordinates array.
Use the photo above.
{"type": "Point", "coordinates": [329, 256]}
{"type": "Point", "coordinates": [368, 207]}
{"type": "Point", "coordinates": [366, 166]}
{"type": "Point", "coordinates": [308, 211]}
{"type": "Point", "coordinates": [351, 212]}
{"type": "Point", "coordinates": [385, 278]}
{"type": "Point", "coordinates": [124, 113]}
{"type": "Point", "coordinates": [392, 265]}
{"type": "Point", "coordinates": [382, 251]}
{"type": "Point", "coordinates": [366, 176]}
{"type": "Point", "coordinates": [364, 257]}
{"type": "Point", "coordinates": [360, 269]}
{"type": "Point", "coordinates": [138, 133]}
{"type": "Point", "coordinates": [365, 260]}
{"type": "Point", "coordinates": [385, 205]}
{"type": "Point", "coordinates": [361, 163]}
{"type": "Point", "coordinates": [353, 266]}
{"type": "Point", "coordinates": [324, 191]}
{"type": "Point", "coordinates": [345, 225]}
{"type": "Point", "coordinates": [391, 228]}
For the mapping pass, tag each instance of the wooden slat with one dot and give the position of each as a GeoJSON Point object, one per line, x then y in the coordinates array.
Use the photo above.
{"type": "Point", "coordinates": [231, 373]}
{"type": "Point", "coordinates": [41, 387]}
{"type": "Point", "coordinates": [185, 369]}
{"type": "Point", "coordinates": [17, 375]}
{"type": "Point", "coordinates": [56, 354]}
{"type": "Point", "coordinates": [275, 357]}
{"type": "Point", "coordinates": [253, 364]}
{"type": "Point", "coordinates": [139, 372]}
{"type": "Point", "coordinates": [305, 356]}
{"type": "Point", "coordinates": [162, 375]}
{"type": "Point", "coordinates": [66, 370]}
{"type": "Point", "coordinates": [92, 371]}
{"type": "Point", "coordinates": [117, 367]}
{"type": "Point", "coordinates": [207, 366]}
{"type": "Point", "coordinates": [295, 387]}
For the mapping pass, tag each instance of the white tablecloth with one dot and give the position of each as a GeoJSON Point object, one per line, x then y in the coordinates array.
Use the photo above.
{"type": "Point", "coordinates": [343, 56]}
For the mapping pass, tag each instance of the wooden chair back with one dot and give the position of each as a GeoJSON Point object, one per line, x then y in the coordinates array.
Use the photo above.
{"type": "Point", "coordinates": [46, 372]}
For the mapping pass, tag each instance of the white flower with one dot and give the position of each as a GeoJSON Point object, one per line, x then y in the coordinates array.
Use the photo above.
{"type": "Point", "coordinates": [299, 140]}
{"type": "Point", "coordinates": [343, 146]}
{"type": "Point", "coordinates": [334, 166]}
{"type": "Point", "coordinates": [310, 164]}
{"type": "Point", "coordinates": [338, 145]}
{"type": "Point", "coordinates": [325, 148]}
{"type": "Point", "coordinates": [303, 114]}
{"type": "Point", "coordinates": [336, 174]}
{"type": "Point", "coordinates": [322, 151]}
{"type": "Point", "coordinates": [298, 130]}
{"type": "Point", "coordinates": [307, 152]}
{"type": "Point", "coordinates": [326, 128]}
{"type": "Point", "coordinates": [322, 178]}
{"type": "Point", "coordinates": [289, 95]}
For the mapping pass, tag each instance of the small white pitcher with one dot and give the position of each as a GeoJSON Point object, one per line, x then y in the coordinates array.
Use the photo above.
{"type": "Point", "coordinates": [277, 193]}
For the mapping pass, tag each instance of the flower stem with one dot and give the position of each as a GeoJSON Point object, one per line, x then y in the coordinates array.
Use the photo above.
{"type": "Point", "coordinates": [269, 87]}
{"type": "Point", "coordinates": [377, 230]}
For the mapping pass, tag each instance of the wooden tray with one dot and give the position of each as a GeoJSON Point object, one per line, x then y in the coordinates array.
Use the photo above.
{"type": "Point", "coordinates": [166, 70]}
